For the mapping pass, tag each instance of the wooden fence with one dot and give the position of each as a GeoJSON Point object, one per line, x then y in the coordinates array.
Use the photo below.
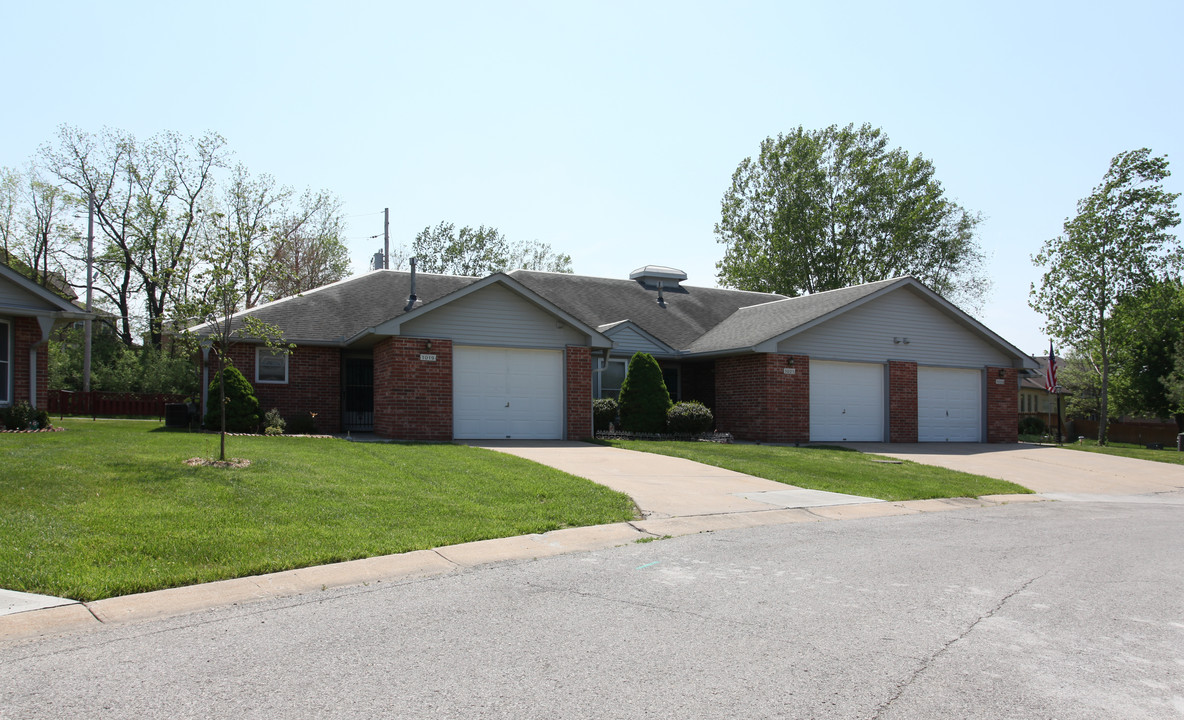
{"type": "Point", "coordinates": [66, 402]}
{"type": "Point", "coordinates": [1131, 431]}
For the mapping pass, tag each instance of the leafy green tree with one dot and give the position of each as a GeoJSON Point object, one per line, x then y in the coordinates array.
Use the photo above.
{"type": "Point", "coordinates": [1173, 382]}
{"type": "Point", "coordinates": [481, 251]}
{"type": "Point", "coordinates": [644, 399]}
{"type": "Point", "coordinates": [294, 243]}
{"type": "Point", "coordinates": [117, 368]}
{"type": "Point", "coordinates": [825, 209]}
{"type": "Point", "coordinates": [1146, 329]}
{"type": "Point", "coordinates": [224, 256]}
{"type": "Point", "coordinates": [147, 200]}
{"type": "Point", "coordinates": [1119, 244]}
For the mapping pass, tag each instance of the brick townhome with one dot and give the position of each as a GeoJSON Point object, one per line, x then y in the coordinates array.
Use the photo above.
{"type": "Point", "coordinates": [522, 354]}
{"type": "Point", "coordinates": [28, 313]}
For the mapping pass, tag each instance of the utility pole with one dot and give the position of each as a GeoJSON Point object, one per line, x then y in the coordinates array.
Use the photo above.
{"type": "Point", "coordinates": [90, 264]}
{"type": "Point", "coordinates": [386, 238]}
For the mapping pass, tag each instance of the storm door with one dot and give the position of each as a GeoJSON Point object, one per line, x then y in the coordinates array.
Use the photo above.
{"type": "Point", "coordinates": [358, 415]}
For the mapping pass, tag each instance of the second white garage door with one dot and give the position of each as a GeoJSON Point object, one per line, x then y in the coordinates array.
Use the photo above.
{"type": "Point", "coordinates": [949, 405]}
{"type": "Point", "coordinates": [500, 393]}
{"type": "Point", "coordinates": [846, 402]}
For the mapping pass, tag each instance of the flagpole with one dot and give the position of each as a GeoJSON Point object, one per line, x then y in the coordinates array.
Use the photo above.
{"type": "Point", "coordinates": [1048, 370]}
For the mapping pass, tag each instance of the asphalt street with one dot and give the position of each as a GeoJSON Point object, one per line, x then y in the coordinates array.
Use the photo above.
{"type": "Point", "coordinates": [1041, 610]}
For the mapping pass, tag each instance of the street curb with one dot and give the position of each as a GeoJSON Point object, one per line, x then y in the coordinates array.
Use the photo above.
{"type": "Point", "coordinates": [128, 609]}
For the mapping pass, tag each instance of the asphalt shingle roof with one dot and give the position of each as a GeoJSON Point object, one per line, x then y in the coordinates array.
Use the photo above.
{"type": "Point", "coordinates": [689, 313]}
{"type": "Point", "coordinates": [337, 312]}
{"type": "Point", "coordinates": [694, 319]}
{"type": "Point", "coordinates": [749, 326]}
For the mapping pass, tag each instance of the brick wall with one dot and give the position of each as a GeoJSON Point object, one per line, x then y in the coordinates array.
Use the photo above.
{"type": "Point", "coordinates": [902, 401]}
{"type": "Point", "coordinates": [413, 397]}
{"type": "Point", "coordinates": [1002, 405]}
{"type": "Point", "coordinates": [314, 383]}
{"type": "Point", "coordinates": [26, 333]}
{"type": "Point", "coordinates": [579, 392]}
{"type": "Point", "coordinates": [756, 399]}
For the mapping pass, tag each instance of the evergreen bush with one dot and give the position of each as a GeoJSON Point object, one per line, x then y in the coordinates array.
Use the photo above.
{"type": "Point", "coordinates": [23, 416]}
{"type": "Point", "coordinates": [692, 417]}
{"type": "Point", "coordinates": [1031, 426]}
{"type": "Point", "coordinates": [242, 407]}
{"type": "Point", "coordinates": [644, 400]}
{"type": "Point", "coordinates": [604, 413]}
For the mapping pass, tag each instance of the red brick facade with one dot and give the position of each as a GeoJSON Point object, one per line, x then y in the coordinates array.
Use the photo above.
{"type": "Point", "coordinates": [763, 397]}
{"type": "Point", "coordinates": [26, 333]}
{"type": "Point", "coordinates": [579, 392]}
{"type": "Point", "coordinates": [902, 401]}
{"type": "Point", "coordinates": [1003, 400]}
{"type": "Point", "coordinates": [314, 383]}
{"type": "Point", "coordinates": [413, 397]}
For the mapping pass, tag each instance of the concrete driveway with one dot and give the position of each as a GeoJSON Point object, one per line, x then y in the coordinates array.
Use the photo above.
{"type": "Point", "coordinates": [1057, 473]}
{"type": "Point", "coordinates": [664, 486]}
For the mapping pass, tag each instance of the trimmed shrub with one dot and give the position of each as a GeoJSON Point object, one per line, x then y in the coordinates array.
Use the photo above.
{"type": "Point", "coordinates": [1031, 426]}
{"type": "Point", "coordinates": [23, 416]}
{"type": "Point", "coordinates": [644, 400]}
{"type": "Point", "coordinates": [242, 407]}
{"type": "Point", "coordinates": [273, 422]}
{"type": "Point", "coordinates": [604, 413]}
{"type": "Point", "coordinates": [692, 417]}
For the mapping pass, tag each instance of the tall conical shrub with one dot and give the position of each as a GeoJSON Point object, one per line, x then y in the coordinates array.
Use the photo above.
{"type": "Point", "coordinates": [644, 400]}
{"type": "Point", "coordinates": [242, 407]}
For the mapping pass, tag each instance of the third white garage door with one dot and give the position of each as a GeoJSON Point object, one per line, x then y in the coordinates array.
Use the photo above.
{"type": "Point", "coordinates": [500, 393]}
{"type": "Point", "coordinates": [846, 402]}
{"type": "Point", "coordinates": [949, 405]}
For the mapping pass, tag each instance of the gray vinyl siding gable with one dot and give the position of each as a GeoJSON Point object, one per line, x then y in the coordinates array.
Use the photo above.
{"type": "Point", "coordinates": [628, 341]}
{"type": "Point", "coordinates": [866, 333]}
{"type": "Point", "coordinates": [495, 316]}
{"type": "Point", "coordinates": [12, 295]}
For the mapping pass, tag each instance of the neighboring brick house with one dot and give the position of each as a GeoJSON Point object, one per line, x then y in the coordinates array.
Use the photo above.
{"type": "Point", "coordinates": [522, 354]}
{"type": "Point", "coordinates": [28, 313]}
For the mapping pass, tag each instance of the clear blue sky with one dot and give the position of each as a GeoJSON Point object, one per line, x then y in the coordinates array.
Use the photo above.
{"type": "Point", "coordinates": [611, 130]}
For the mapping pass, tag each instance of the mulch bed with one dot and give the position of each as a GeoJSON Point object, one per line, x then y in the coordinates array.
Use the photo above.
{"type": "Point", "coordinates": [206, 462]}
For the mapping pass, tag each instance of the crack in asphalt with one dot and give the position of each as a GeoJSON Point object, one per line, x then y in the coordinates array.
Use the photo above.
{"type": "Point", "coordinates": [928, 662]}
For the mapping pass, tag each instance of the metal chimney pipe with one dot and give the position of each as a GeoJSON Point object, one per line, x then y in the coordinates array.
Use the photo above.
{"type": "Point", "coordinates": [411, 299]}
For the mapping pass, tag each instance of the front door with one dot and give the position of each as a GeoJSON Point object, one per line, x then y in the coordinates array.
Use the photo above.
{"type": "Point", "coordinates": [358, 411]}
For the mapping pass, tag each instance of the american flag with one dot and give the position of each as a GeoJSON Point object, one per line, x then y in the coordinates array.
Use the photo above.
{"type": "Point", "coordinates": [1050, 371]}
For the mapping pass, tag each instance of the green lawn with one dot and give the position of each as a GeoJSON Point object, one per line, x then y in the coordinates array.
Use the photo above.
{"type": "Point", "coordinates": [108, 507]}
{"type": "Point", "coordinates": [833, 469]}
{"type": "Point", "coordinates": [1168, 455]}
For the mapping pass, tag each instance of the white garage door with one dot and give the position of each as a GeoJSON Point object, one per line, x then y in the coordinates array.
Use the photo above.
{"type": "Point", "coordinates": [846, 402]}
{"type": "Point", "coordinates": [500, 393]}
{"type": "Point", "coordinates": [949, 405]}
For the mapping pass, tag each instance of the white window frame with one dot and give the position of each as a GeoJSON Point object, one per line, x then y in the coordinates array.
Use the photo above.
{"type": "Point", "coordinates": [598, 382]}
{"type": "Point", "coordinates": [266, 352]}
{"type": "Point", "coordinates": [7, 362]}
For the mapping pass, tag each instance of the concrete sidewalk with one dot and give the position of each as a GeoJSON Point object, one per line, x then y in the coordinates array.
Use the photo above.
{"type": "Point", "coordinates": [675, 496]}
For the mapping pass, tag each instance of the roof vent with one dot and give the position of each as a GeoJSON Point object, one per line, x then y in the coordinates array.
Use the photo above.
{"type": "Point", "coordinates": [651, 276]}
